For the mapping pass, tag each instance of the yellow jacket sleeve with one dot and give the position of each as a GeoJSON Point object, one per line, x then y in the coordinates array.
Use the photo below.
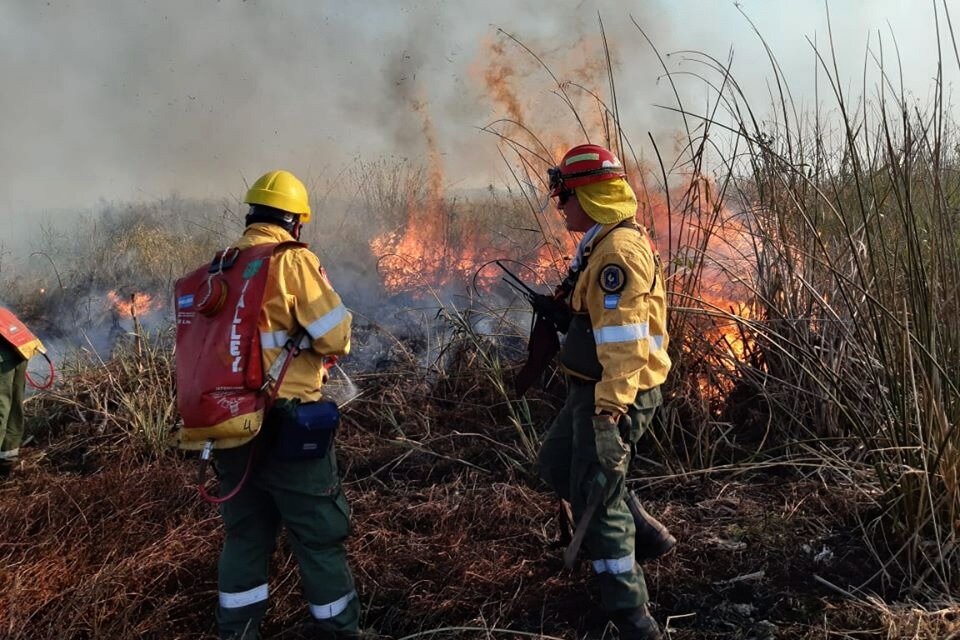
{"type": "Point", "coordinates": [617, 285]}
{"type": "Point", "coordinates": [316, 306]}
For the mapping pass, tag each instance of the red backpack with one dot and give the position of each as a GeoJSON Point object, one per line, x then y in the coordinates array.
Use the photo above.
{"type": "Point", "coordinates": [221, 390]}
{"type": "Point", "coordinates": [20, 338]}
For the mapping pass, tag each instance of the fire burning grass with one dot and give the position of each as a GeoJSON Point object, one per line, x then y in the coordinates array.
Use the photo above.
{"type": "Point", "coordinates": [806, 457]}
{"type": "Point", "coordinates": [136, 305]}
{"type": "Point", "coordinates": [425, 256]}
{"type": "Point", "coordinates": [435, 249]}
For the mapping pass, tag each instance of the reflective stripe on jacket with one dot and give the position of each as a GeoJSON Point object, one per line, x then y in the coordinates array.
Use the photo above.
{"type": "Point", "coordinates": [297, 296]}
{"type": "Point", "coordinates": [622, 292]}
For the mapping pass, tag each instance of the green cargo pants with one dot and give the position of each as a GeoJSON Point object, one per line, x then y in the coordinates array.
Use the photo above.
{"type": "Point", "coordinates": [13, 370]}
{"type": "Point", "coordinates": [304, 495]}
{"type": "Point", "coordinates": [568, 463]}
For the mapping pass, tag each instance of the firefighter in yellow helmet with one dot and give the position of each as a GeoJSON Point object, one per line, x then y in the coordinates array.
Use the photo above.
{"type": "Point", "coordinates": [303, 495]}
{"type": "Point", "coordinates": [615, 358]}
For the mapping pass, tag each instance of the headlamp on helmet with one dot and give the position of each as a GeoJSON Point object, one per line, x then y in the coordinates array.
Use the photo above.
{"type": "Point", "coordinates": [557, 188]}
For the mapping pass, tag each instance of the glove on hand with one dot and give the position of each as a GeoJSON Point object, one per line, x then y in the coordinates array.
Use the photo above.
{"type": "Point", "coordinates": [556, 311]}
{"type": "Point", "coordinates": [612, 451]}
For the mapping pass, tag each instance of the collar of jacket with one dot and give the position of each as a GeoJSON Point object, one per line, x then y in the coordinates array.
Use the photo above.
{"type": "Point", "coordinates": [581, 247]}
{"type": "Point", "coordinates": [263, 233]}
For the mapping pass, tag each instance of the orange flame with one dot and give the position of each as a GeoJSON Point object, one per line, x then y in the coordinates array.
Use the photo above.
{"type": "Point", "coordinates": [726, 333]}
{"type": "Point", "coordinates": [435, 250]}
{"type": "Point", "coordinates": [138, 304]}
{"type": "Point", "coordinates": [711, 256]}
{"type": "Point", "coordinates": [422, 255]}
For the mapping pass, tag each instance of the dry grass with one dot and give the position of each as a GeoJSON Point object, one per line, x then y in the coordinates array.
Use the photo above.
{"type": "Point", "coordinates": [453, 537]}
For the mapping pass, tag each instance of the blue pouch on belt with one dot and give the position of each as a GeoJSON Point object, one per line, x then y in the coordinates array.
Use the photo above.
{"type": "Point", "coordinates": [308, 431]}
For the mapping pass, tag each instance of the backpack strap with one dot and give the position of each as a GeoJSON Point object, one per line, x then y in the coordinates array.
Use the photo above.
{"type": "Point", "coordinates": [573, 276]}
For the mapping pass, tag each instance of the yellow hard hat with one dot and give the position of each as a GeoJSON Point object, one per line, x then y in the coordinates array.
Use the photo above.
{"type": "Point", "coordinates": [281, 190]}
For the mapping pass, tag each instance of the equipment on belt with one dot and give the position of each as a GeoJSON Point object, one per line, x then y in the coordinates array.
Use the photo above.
{"type": "Point", "coordinates": [307, 431]}
{"type": "Point", "coordinates": [18, 336]}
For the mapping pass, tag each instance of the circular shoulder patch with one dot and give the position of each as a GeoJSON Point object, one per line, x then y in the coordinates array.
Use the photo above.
{"type": "Point", "coordinates": [613, 278]}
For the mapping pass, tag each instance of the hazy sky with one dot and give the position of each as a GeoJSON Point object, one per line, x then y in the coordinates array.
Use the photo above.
{"type": "Point", "coordinates": [137, 99]}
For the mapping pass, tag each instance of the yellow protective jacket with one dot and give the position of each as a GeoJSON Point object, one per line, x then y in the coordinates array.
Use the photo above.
{"type": "Point", "coordinates": [618, 335]}
{"type": "Point", "coordinates": [298, 295]}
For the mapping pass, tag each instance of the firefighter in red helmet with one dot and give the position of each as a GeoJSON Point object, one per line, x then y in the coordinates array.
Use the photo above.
{"type": "Point", "coordinates": [615, 359]}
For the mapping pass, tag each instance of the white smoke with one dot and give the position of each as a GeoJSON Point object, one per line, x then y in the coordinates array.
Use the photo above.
{"type": "Point", "coordinates": [133, 101]}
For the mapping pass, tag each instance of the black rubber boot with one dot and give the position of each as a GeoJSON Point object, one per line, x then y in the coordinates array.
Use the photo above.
{"type": "Point", "coordinates": [636, 624]}
{"type": "Point", "coordinates": [653, 540]}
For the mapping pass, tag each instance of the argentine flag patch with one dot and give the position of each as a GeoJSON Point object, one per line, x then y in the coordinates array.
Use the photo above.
{"type": "Point", "coordinates": [185, 302]}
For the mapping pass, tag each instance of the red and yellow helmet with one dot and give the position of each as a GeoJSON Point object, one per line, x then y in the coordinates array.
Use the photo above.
{"type": "Point", "coordinates": [584, 164]}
